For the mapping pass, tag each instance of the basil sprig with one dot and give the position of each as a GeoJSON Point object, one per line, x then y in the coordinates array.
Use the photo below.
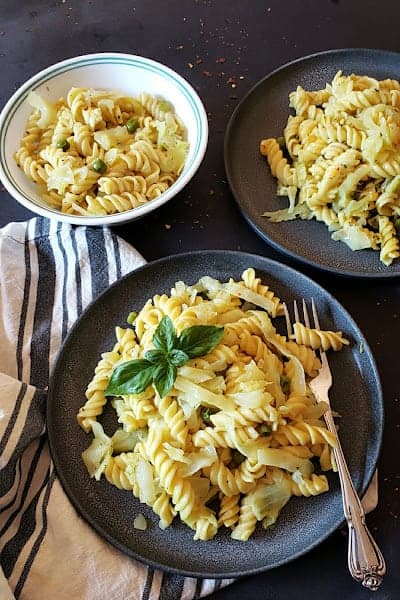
{"type": "Point", "coordinates": [159, 365]}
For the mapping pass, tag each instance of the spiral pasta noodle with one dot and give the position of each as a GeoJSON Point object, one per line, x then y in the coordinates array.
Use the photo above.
{"type": "Point", "coordinates": [238, 425]}
{"type": "Point", "coordinates": [337, 162]}
{"type": "Point", "coordinates": [316, 339]}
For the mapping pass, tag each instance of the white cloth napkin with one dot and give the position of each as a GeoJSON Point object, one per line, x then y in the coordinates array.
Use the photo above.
{"type": "Point", "coordinates": [49, 272]}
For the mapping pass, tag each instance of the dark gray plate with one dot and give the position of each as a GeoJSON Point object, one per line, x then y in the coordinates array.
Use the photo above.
{"type": "Point", "coordinates": [304, 522]}
{"type": "Point", "coordinates": [263, 113]}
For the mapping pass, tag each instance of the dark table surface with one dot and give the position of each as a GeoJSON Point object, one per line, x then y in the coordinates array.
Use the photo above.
{"type": "Point", "coordinates": [223, 48]}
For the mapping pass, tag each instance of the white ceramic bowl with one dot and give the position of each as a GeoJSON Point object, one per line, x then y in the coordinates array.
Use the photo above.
{"type": "Point", "coordinates": [114, 71]}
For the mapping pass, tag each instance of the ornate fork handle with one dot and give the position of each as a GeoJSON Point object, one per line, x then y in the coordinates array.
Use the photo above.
{"type": "Point", "coordinates": [365, 560]}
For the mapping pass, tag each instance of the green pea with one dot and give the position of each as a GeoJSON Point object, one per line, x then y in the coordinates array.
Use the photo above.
{"type": "Point", "coordinates": [264, 429]}
{"type": "Point", "coordinates": [131, 317]}
{"type": "Point", "coordinates": [63, 144]}
{"type": "Point", "coordinates": [237, 458]}
{"type": "Point", "coordinates": [99, 166]}
{"type": "Point", "coordinates": [132, 125]}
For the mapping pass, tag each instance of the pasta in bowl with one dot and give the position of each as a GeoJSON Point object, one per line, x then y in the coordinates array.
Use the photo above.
{"type": "Point", "coordinates": [213, 405]}
{"type": "Point", "coordinates": [98, 152]}
{"type": "Point", "coordinates": [101, 139]}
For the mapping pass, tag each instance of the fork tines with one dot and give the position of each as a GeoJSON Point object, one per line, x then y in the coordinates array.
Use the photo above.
{"type": "Point", "coordinates": [297, 319]}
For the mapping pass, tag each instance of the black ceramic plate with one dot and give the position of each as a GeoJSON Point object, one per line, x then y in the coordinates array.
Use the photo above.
{"type": "Point", "coordinates": [263, 113]}
{"type": "Point", "coordinates": [304, 522]}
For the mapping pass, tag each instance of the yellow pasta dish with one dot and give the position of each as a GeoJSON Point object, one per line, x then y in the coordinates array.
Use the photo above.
{"type": "Point", "coordinates": [98, 152]}
{"type": "Point", "coordinates": [339, 162]}
{"type": "Point", "coordinates": [217, 423]}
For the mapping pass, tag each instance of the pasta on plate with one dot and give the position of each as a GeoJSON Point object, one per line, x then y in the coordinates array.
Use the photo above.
{"type": "Point", "coordinates": [338, 161]}
{"type": "Point", "coordinates": [236, 432]}
{"type": "Point", "coordinates": [98, 152]}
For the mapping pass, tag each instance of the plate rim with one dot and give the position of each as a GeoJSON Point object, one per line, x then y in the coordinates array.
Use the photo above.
{"type": "Point", "coordinates": [75, 501]}
{"type": "Point", "coordinates": [229, 132]}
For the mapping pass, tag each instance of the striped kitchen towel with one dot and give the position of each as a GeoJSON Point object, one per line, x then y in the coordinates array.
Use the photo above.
{"type": "Point", "coordinates": [49, 272]}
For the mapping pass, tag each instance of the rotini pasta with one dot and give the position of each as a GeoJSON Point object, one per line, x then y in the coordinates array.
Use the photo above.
{"type": "Point", "coordinates": [234, 436]}
{"type": "Point", "coordinates": [337, 162]}
{"type": "Point", "coordinates": [98, 152]}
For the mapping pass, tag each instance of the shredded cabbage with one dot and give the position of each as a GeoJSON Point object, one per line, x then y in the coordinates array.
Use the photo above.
{"type": "Point", "coordinates": [246, 294]}
{"type": "Point", "coordinates": [171, 149]}
{"type": "Point", "coordinates": [60, 178]}
{"type": "Point", "coordinates": [269, 499]}
{"type": "Point", "coordinates": [145, 481]}
{"type": "Point", "coordinates": [175, 453]}
{"type": "Point", "coordinates": [98, 453]}
{"type": "Point", "coordinates": [277, 457]}
{"type": "Point", "coordinates": [124, 441]}
{"type": "Point", "coordinates": [109, 138]}
{"type": "Point", "coordinates": [48, 112]}
{"type": "Point", "coordinates": [139, 522]}
{"type": "Point", "coordinates": [251, 399]}
{"type": "Point", "coordinates": [195, 375]}
{"type": "Point", "coordinates": [289, 214]}
{"type": "Point", "coordinates": [204, 457]}
{"type": "Point", "coordinates": [353, 236]}
{"type": "Point", "coordinates": [196, 395]}
{"type": "Point", "coordinates": [297, 375]}
{"type": "Point", "coordinates": [208, 284]}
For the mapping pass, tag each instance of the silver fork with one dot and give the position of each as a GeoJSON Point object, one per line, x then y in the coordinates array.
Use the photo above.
{"type": "Point", "coordinates": [365, 560]}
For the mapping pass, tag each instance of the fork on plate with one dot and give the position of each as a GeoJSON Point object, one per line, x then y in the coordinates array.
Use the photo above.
{"type": "Point", "coordinates": [365, 560]}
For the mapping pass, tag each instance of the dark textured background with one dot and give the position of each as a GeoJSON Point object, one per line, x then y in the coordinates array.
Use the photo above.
{"type": "Point", "coordinates": [223, 48]}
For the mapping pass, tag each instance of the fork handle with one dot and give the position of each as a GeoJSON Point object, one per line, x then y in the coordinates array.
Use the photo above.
{"type": "Point", "coordinates": [365, 560]}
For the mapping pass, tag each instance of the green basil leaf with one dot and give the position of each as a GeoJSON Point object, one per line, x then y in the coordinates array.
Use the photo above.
{"type": "Point", "coordinates": [164, 336]}
{"type": "Point", "coordinates": [164, 377]}
{"type": "Point", "coordinates": [131, 377]}
{"type": "Point", "coordinates": [199, 339]}
{"type": "Point", "coordinates": [178, 357]}
{"type": "Point", "coordinates": [155, 356]}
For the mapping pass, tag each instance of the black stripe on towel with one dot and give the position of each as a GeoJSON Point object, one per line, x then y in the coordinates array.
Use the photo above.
{"type": "Point", "coordinates": [197, 593]}
{"type": "Point", "coordinates": [40, 345]}
{"type": "Point", "coordinates": [148, 584]}
{"type": "Point", "coordinates": [32, 429]}
{"type": "Point", "coordinates": [13, 418]}
{"type": "Point", "coordinates": [98, 260]}
{"type": "Point", "coordinates": [39, 539]}
{"type": "Point", "coordinates": [12, 549]}
{"type": "Point", "coordinates": [117, 256]}
{"type": "Point", "coordinates": [65, 300]}
{"type": "Point", "coordinates": [16, 483]}
{"type": "Point", "coordinates": [217, 585]}
{"type": "Point", "coordinates": [25, 490]}
{"type": "Point", "coordinates": [24, 308]}
{"type": "Point", "coordinates": [171, 587]}
{"type": "Point", "coordinates": [78, 279]}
